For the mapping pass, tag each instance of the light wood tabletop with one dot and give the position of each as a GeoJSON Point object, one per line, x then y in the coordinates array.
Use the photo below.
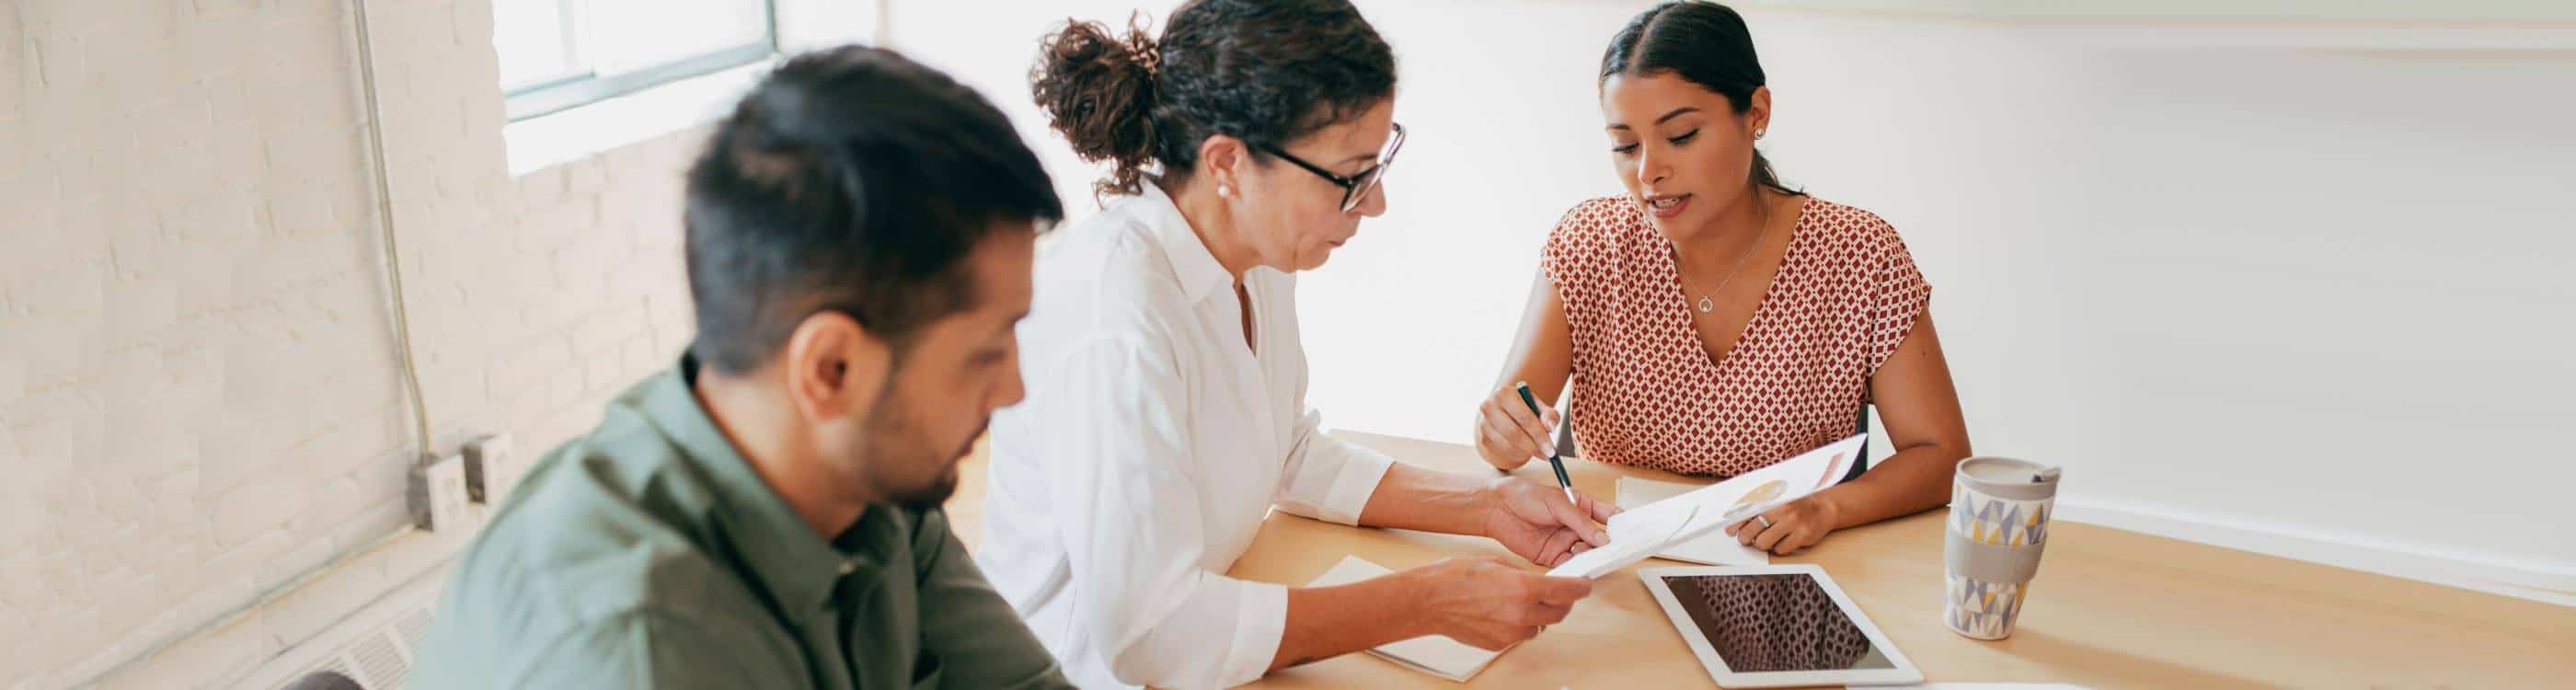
{"type": "Point", "coordinates": [2110, 609]}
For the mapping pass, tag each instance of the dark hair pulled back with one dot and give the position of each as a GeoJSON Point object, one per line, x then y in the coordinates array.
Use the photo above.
{"type": "Point", "coordinates": [1264, 71]}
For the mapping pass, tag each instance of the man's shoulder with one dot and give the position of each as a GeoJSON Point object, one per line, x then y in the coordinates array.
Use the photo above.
{"type": "Point", "coordinates": [604, 524]}
{"type": "Point", "coordinates": [519, 604]}
{"type": "Point", "coordinates": [598, 540]}
{"type": "Point", "coordinates": [643, 643]}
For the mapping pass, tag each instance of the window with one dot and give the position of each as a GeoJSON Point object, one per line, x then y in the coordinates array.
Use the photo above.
{"type": "Point", "coordinates": [559, 54]}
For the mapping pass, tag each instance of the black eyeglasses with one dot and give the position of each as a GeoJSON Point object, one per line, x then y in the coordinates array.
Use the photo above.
{"type": "Point", "coordinates": [1356, 187]}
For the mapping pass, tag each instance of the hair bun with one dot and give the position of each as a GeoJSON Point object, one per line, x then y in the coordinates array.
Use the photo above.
{"type": "Point", "coordinates": [1098, 91]}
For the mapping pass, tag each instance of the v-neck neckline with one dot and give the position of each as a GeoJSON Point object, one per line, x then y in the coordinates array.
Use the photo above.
{"type": "Point", "coordinates": [1251, 372]}
{"type": "Point", "coordinates": [1248, 321]}
{"type": "Point", "coordinates": [1716, 363]}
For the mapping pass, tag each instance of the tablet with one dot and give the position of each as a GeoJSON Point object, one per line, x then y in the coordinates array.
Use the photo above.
{"type": "Point", "coordinates": [1773, 626]}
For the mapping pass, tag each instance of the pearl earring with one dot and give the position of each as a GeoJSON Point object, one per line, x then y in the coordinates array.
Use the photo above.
{"type": "Point", "coordinates": [1224, 191]}
{"type": "Point", "coordinates": [1757, 134]}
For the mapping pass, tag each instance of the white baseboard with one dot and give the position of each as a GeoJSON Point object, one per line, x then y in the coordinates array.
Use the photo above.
{"type": "Point", "coordinates": [2553, 583]}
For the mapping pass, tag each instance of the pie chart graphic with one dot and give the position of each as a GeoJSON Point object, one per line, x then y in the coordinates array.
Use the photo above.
{"type": "Point", "coordinates": [1761, 494]}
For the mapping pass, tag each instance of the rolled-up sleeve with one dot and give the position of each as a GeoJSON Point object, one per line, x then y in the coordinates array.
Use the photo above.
{"type": "Point", "coordinates": [1131, 517]}
{"type": "Point", "coordinates": [1329, 478]}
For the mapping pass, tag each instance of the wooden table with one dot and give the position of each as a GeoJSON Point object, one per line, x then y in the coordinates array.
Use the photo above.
{"type": "Point", "coordinates": [2110, 609]}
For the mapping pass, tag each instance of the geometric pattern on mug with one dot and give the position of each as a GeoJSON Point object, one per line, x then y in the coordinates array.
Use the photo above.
{"type": "Point", "coordinates": [1999, 521]}
{"type": "Point", "coordinates": [1981, 609]}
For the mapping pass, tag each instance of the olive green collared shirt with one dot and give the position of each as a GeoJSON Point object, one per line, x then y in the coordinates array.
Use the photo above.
{"type": "Point", "coordinates": [648, 554]}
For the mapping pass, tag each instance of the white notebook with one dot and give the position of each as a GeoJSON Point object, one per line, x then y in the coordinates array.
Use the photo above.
{"type": "Point", "coordinates": [1656, 527]}
{"type": "Point", "coordinates": [1433, 654]}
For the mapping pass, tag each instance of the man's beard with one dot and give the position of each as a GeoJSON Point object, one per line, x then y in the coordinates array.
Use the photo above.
{"type": "Point", "coordinates": [895, 444]}
{"type": "Point", "coordinates": [930, 496]}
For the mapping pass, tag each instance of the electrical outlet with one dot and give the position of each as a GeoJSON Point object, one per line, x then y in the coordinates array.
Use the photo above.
{"type": "Point", "coordinates": [491, 469]}
{"type": "Point", "coordinates": [439, 499]}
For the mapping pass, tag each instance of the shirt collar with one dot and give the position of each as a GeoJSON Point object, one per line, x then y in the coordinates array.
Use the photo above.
{"type": "Point", "coordinates": [1197, 268]}
{"type": "Point", "coordinates": [797, 567]}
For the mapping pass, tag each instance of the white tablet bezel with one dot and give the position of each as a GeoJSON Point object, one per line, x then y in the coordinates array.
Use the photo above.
{"type": "Point", "coordinates": [1903, 673]}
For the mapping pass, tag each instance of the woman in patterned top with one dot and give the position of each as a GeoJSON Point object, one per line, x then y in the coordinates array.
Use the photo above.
{"type": "Point", "coordinates": [1713, 321]}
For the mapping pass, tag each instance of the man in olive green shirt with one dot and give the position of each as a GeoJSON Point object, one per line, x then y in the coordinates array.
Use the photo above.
{"type": "Point", "coordinates": [766, 515]}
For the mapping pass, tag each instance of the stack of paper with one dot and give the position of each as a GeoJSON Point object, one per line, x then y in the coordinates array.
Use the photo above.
{"type": "Point", "coordinates": [1433, 654]}
{"type": "Point", "coordinates": [1673, 523]}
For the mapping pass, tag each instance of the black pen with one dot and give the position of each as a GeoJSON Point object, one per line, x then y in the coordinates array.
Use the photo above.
{"type": "Point", "coordinates": [1552, 461]}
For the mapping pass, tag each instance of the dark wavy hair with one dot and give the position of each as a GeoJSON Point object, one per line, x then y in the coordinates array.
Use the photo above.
{"type": "Point", "coordinates": [1704, 43]}
{"type": "Point", "coordinates": [1264, 71]}
{"type": "Point", "coordinates": [850, 179]}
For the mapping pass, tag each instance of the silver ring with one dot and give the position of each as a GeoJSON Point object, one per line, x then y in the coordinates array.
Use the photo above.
{"type": "Point", "coordinates": [1766, 522]}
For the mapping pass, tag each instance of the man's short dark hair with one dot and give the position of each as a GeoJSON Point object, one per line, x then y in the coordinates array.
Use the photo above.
{"type": "Point", "coordinates": [855, 180]}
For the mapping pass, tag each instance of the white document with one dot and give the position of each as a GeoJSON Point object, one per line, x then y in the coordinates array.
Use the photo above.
{"type": "Point", "coordinates": [1433, 654]}
{"type": "Point", "coordinates": [1713, 548]}
{"type": "Point", "coordinates": [1655, 527]}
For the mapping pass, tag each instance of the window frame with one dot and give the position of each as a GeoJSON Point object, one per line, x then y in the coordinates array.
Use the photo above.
{"type": "Point", "coordinates": [588, 87]}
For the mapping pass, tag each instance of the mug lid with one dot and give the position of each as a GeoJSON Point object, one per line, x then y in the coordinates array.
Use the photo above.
{"type": "Point", "coordinates": [2011, 478]}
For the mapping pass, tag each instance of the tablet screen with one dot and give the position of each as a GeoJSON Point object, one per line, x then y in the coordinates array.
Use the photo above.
{"type": "Point", "coordinates": [1774, 622]}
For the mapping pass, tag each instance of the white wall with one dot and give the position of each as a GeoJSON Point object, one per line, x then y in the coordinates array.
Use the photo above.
{"type": "Point", "coordinates": [197, 377]}
{"type": "Point", "coordinates": [2283, 285]}
{"type": "Point", "coordinates": [2251, 283]}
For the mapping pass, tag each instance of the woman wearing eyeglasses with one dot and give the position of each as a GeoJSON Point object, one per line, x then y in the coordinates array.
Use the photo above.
{"type": "Point", "coordinates": [1166, 405]}
{"type": "Point", "coordinates": [1713, 321]}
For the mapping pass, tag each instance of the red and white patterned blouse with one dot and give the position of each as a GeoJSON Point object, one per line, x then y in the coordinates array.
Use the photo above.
{"type": "Point", "coordinates": [1645, 391]}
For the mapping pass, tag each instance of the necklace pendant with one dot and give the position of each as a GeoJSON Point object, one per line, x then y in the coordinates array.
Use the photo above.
{"type": "Point", "coordinates": [1704, 305]}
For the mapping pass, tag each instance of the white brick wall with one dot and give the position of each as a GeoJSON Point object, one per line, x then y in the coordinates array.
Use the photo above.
{"type": "Point", "coordinates": [199, 395]}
